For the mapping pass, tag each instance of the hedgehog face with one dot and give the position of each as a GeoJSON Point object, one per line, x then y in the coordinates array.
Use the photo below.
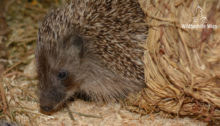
{"type": "Point", "coordinates": [58, 67]}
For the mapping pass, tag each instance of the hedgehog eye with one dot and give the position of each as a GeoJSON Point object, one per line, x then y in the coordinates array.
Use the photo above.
{"type": "Point", "coordinates": [62, 75]}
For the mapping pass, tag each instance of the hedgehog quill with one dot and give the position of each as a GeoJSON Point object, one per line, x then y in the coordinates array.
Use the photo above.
{"type": "Point", "coordinates": [91, 47]}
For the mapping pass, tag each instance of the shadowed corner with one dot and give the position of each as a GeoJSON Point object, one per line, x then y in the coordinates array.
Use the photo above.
{"type": "Point", "coordinates": [7, 123]}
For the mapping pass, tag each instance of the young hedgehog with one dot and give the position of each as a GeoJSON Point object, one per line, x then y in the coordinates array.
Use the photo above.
{"type": "Point", "coordinates": [91, 47]}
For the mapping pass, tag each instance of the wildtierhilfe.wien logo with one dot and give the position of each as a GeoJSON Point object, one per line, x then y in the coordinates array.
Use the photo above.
{"type": "Point", "coordinates": [200, 21]}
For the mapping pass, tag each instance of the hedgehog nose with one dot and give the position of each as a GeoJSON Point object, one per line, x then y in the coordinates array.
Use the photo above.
{"type": "Point", "coordinates": [46, 108]}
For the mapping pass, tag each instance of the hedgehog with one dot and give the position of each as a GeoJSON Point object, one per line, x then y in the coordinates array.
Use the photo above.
{"type": "Point", "coordinates": [93, 48]}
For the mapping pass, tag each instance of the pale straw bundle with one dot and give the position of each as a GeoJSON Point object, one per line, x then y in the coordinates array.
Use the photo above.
{"type": "Point", "coordinates": [182, 58]}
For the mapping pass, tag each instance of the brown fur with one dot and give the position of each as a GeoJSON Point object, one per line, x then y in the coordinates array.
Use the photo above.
{"type": "Point", "coordinates": [98, 43]}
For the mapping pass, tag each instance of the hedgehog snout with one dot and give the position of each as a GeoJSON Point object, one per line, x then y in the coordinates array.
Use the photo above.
{"type": "Point", "coordinates": [50, 100]}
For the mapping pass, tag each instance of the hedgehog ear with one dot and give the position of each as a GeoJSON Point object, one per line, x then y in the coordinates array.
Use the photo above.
{"type": "Point", "coordinates": [78, 43]}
